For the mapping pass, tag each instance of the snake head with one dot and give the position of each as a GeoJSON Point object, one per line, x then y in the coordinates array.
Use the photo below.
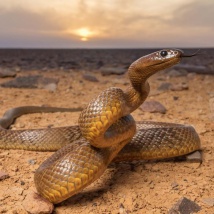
{"type": "Point", "coordinates": [147, 65]}
{"type": "Point", "coordinates": [164, 58]}
{"type": "Point", "coordinates": [140, 70]}
{"type": "Point", "coordinates": [160, 60]}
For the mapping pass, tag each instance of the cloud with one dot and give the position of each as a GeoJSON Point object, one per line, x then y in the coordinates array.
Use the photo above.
{"type": "Point", "coordinates": [195, 14]}
{"type": "Point", "coordinates": [117, 23]}
{"type": "Point", "coordinates": [190, 25]}
{"type": "Point", "coordinates": [22, 20]}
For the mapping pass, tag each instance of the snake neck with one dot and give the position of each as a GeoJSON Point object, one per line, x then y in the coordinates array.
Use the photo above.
{"type": "Point", "coordinates": [139, 89]}
{"type": "Point", "coordinates": [138, 72]}
{"type": "Point", "coordinates": [136, 96]}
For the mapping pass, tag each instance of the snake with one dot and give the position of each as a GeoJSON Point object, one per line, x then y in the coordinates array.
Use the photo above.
{"type": "Point", "coordinates": [106, 132]}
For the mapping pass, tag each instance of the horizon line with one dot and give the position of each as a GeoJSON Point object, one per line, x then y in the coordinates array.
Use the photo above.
{"type": "Point", "coordinates": [102, 48]}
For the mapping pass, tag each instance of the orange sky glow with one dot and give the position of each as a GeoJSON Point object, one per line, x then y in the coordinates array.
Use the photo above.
{"type": "Point", "coordinates": [106, 24]}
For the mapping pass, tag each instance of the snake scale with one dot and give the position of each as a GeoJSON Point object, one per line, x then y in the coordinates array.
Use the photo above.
{"type": "Point", "coordinates": [106, 132]}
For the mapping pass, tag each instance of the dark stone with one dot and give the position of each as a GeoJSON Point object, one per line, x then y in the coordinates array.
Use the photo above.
{"type": "Point", "coordinates": [90, 78]}
{"type": "Point", "coordinates": [175, 98]}
{"type": "Point", "coordinates": [199, 69]}
{"type": "Point", "coordinates": [111, 70]}
{"type": "Point", "coordinates": [164, 86]}
{"type": "Point", "coordinates": [34, 81]}
{"type": "Point", "coordinates": [100, 63]}
{"type": "Point", "coordinates": [153, 107]}
{"type": "Point", "coordinates": [184, 206]}
{"type": "Point", "coordinates": [7, 73]}
{"type": "Point", "coordinates": [22, 183]}
{"type": "Point", "coordinates": [177, 73]}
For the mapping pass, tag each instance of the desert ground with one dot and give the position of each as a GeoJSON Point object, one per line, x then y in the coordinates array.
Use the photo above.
{"type": "Point", "coordinates": [129, 187]}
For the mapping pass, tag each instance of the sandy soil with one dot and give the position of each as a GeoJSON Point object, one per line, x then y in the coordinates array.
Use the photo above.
{"type": "Point", "coordinates": [139, 187]}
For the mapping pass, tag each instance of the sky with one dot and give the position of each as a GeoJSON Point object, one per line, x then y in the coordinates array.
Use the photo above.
{"type": "Point", "coordinates": [106, 23]}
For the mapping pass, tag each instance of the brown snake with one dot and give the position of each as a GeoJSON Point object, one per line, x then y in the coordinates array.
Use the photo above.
{"type": "Point", "coordinates": [106, 131]}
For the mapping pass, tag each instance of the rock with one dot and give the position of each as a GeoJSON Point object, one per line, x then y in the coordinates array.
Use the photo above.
{"type": "Point", "coordinates": [17, 69]}
{"type": "Point", "coordinates": [3, 175]}
{"type": "Point", "coordinates": [51, 87]}
{"type": "Point", "coordinates": [32, 161]}
{"type": "Point", "coordinates": [90, 78]}
{"type": "Point", "coordinates": [211, 104]}
{"type": "Point", "coordinates": [164, 86]}
{"type": "Point", "coordinates": [109, 70]}
{"type": "Point", "coordinates": [177, 73]}
{"type": "Point", "coordinates": [153, 107]}
{"type": "Point", "coordinates": [7, 73]}
{"type": "Point", "coordinates": [35, 204]}
{"type": "Point", "coordinates": [174, 185]}
{"type": "Point", "coordinates": [191, 75]}
{"type": "Point", "coordinates": [22, 183]}
{"type": "Point", "coordinates": [31, 81]}
{"type": "Point", "coordinates": [184, 206]}
{"type": "Point", "coordinates": [194, 157]}
{"type": "Point", "coordinates": [44, 81]}
{"type": "Point", "coordinates": [199, 69]}
{"type": "Point", "coordinates": [19, 125]}
{"type": "Point", "coordinates": [122, 209]}
{"type": "Point", "coordinates": [179, 87]}
{"type": "Point", "coordinates": [208, 201]}
{"type": "Point", "coordinates": [100, 63]}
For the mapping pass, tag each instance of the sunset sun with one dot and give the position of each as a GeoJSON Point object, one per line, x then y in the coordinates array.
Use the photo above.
{"type": "Point", "coordinates": [84, 33]}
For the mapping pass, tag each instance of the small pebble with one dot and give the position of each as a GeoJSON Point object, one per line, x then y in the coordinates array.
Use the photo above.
{"type": "Point", "coordinates": [211, 105]}
{"type": "Point", "coordinates": [164, 86]}
{"type": "Point", "coordinates": [90, 78]}
{"type": "Point", "coordinates": [174, 185]}
{"type": "Point", "coordinates": [194, 157]}
{"type": "Point", "coordinates": [22, 183]}
{"type": "Point", "coordinates": [3, 175]}
{"type": "Point", "coordinates": [112, 70]}
{"type": "Point", "coordinates": [208, 201]}
{"type": "Point", "coordinates": [51, 87]}
{"type": "Point", "coordinates": [122, 209]}
{"type": "Point", "coordinates": [32, 161]}
{"type": "Point", "coordinates": [35, 204]}
{"type": "Point", "coordinates": [179, 87]}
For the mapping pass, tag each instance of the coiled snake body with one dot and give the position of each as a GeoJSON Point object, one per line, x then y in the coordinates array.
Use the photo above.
{"type": "Point", "coordinates": [106, 132]}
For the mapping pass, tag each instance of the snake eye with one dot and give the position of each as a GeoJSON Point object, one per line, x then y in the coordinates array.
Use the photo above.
{"type": "Point", "coordinates": [163, 53]}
